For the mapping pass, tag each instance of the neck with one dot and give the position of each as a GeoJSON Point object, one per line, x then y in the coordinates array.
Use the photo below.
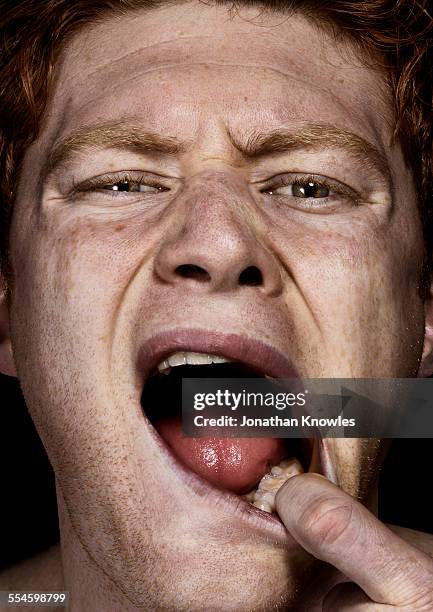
{"type": "Point", "coordinates": [89, 587]}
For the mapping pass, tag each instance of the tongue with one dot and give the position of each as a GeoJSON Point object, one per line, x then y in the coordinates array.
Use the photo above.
{"type": "Point", "coordinates": [236, 464]}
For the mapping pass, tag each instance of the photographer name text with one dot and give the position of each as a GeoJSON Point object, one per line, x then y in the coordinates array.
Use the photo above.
{"type": "Point", "coordinates": [273, 421]}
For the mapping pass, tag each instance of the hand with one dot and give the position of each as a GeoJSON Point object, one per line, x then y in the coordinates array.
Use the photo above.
{"type": "Point", "coordinates": [387, 573]}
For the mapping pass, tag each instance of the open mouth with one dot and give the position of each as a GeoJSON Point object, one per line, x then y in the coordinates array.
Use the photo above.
{"type": "Point", "coordinates": [253, 469]}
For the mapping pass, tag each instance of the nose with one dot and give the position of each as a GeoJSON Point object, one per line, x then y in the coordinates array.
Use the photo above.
{"type": "Point", "coordinates": [215, 247]}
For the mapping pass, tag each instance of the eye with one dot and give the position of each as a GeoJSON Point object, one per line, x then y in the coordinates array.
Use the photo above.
{"type": "Point", "coordinates": [118, 184]}
{"type": "Point", "coordinates": [132, 186]}
{"type": "Point", "coordinates": [300, 188]}
{"type": "Point", "coordinates": [310, 191]}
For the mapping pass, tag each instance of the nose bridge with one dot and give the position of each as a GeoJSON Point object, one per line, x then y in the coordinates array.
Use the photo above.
{"type": "Point", "coordinates": [217, 210]}
{"type": "Point", "coordinates": [216, 239]}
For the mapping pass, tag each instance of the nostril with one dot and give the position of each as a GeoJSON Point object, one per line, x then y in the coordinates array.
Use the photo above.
{"type": "Point", "coordinates": [192, 271]}
{"type": "Point", "coordinates": [251, 276]}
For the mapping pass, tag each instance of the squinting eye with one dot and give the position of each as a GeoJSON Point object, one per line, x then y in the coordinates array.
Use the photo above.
{"type": "Point", "coordinates": [128, 186]}
{"type": "Point", "coordinates": [311, 192]}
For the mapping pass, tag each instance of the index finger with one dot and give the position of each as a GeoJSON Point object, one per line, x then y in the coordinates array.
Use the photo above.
{"type": "Point", "coordinates": [336, 528]}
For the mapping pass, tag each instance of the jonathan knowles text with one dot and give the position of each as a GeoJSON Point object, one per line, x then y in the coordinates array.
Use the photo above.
{"type": "Point", "coordinates": [273, 421]}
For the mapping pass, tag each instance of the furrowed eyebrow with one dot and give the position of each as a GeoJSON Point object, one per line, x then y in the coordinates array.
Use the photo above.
{"type": "Point", "coordinates": [315, 136]}
{"type": "Point", "coordinates": [113, 135]}
{"type": "Point", "coordinates": [311, 136]}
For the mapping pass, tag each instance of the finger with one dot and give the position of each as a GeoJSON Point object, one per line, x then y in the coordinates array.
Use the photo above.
{"type": "Point", "coordinates": [347, 597]}
{"type": "Point", "coordinates": [334, 527]}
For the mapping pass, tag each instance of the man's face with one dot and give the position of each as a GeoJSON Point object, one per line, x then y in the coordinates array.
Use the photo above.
{"type": "Point", "coordinates": [126, 250]}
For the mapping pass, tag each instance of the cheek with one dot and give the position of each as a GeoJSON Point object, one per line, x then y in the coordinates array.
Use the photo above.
{"type": "Point", "coordinates": [357, 462]}
{"type": "Point", "coordinates": [79, 256]}
{"type": "Point", "coordinates": [359, 279]}
{"type": "Point", "coordinates": [70, 278]}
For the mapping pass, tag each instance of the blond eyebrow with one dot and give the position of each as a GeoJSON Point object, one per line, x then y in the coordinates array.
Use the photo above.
{"type": "Point", "coordinates": [112, 135]}
{"type": "Point", "coordinates": [129, 136]}
{"type": "Point", "coordinates": [315, 136]}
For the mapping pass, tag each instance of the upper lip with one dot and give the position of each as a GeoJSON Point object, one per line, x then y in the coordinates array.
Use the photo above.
{"type": "Point", "coordinates": [254, 353]}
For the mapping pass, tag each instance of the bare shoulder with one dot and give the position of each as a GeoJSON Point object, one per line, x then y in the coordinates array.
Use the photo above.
{"type": "Point", "coordinates": [43, 572]}
{"type": "Point", "coordinates": [423, 541]}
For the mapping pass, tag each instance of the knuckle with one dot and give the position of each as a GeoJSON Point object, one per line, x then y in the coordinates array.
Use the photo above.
{"type": "Point", "coordinates": [328, 521]}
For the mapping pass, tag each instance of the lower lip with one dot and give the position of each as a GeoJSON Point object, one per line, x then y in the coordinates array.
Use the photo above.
{"type": "Point", "coordinates": [269, 524]}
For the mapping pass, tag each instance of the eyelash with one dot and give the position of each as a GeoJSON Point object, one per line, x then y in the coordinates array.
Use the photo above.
{"type": "Point", "coordinates": [305, 180]}
{"type": "Point", "coordinates": [281, 180]}
{"type": "Point", "coordinates": [101, 182]}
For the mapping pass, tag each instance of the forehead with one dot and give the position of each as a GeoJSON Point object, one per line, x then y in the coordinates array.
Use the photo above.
{"type": "Point", "coordinates": [180, 68]}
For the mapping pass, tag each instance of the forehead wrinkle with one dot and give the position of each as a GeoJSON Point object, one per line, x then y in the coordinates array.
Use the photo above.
{"type": "Point", "coordinates": [175, 41]}
{"type": "Point", "coordinates": [336, 101]}
{"type": "Point", "coordinates": [270, 49]}
{"type": "Point", "coordinates": [131, 55]}
{"type": "Point", "coordinates": [220, 65]}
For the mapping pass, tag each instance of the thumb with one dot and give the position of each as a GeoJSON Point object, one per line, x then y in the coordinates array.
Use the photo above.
{"type": "Point", "coordinates": [337, 529]}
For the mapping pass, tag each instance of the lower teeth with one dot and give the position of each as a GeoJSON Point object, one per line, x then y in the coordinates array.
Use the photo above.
{"type": "Point", "coordinates": [264, 496]}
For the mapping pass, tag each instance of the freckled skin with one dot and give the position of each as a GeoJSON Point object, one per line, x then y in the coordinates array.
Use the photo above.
{"type": "Point", "coordinates": [94, 279]}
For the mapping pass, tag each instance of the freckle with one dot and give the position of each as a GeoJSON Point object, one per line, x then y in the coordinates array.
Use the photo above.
{"type": "Point", "coordinates": [119, 228]}
{"type": "Point", "coordinates": [245, 98]}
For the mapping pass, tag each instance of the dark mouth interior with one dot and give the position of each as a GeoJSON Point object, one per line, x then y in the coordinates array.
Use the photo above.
{"type": "Point", "coordinates": [162, 396]}
{"type": "Point", "coordinates": [162, 393]}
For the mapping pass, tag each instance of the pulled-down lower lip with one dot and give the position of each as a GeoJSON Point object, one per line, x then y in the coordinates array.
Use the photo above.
{"type": "Point", "coordinates": [254, 354]}
{"type": "Point", "coordinates": [234, 505]}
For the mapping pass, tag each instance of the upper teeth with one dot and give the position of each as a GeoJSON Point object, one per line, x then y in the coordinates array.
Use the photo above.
{"type": "Point", "coordinates": [183, 358]}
